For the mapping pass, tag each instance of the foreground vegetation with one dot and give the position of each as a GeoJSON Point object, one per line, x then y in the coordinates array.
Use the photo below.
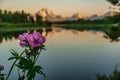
{"type": "Point", "coordinates": [115, 75]}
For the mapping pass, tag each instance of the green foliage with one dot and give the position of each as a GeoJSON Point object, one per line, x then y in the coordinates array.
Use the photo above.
{"type": "Point", "coordinates": [96, 21]}
{"type": "Point", "coordinates": [114, 2]}
{"type": "Point", "coordinates": [21, 17]}
{"type": "Point", "coordinates": [26, 63]}
{"type": "Point", "coordinates": [114, 19]}
{"type": "Point", "coordinates": [43, 47]}
{"type": "Point", "coordinates": [38, 19]}
{"type": "Point", "coordinates": [2, 76]}
{"type": "Point", "coordinates": [115, 75]}
{"type": "Point", "coordinates": [15, 55]}
{"type": "Point", "coordinates": [32, 72]}
{"type": "Point", "coordinates": [16, 17]}
{"type": "Point", "coordinates": [102, 77]}
{"type": "Point", "coordinates": [113, 33]}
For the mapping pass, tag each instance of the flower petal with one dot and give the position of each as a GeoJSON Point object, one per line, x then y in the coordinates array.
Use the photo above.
{"type": "Point", "coordinates": [21, 37]}
{"type": "Point", "coordinates": [26, 35]}
{"type": "Point", "coordinates": [1, 67]}
{"type": "Point", "coordinates": [22, 44]}
{"type": "Point", "coordinates": [36, 35]}
{"type": "Point", "coordinates": [31, 38]}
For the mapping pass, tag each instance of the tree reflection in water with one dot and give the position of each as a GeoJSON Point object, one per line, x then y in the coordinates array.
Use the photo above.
{"type": "Point", "coordinates": [8, 35]}
{"type": "Point", "coordinates": [112, 33]}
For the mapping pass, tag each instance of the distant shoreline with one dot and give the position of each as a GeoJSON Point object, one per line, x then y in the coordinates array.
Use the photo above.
{"type": "Point", "coordinates": [5, 26]}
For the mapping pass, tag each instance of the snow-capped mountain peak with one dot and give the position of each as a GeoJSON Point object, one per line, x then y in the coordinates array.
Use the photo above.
{"type": "Point", "coordinates": [48, 15]}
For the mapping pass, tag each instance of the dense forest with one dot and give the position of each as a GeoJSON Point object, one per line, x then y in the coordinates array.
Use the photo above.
{"type": "Point", "coordinates": [16, 17]}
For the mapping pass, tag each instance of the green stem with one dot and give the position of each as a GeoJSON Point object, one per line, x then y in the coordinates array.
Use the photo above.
{"type": "Point", "coordinates": [18, 72]}
{"type": "Point", "coordinates": [11, 69]}
{"type": "Point", "coordinates": [13, 66]}
{"type": "Point", "coordinates": [38, 55]}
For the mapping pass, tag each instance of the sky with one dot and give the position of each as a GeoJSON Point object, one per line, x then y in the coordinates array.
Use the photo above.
{"type": "Point", "coordinates": [59, 7]}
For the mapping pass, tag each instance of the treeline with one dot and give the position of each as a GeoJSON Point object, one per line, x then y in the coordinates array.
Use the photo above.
{"type": "Point", "coordinates": [16, 17]}
{"type": "Point", "coordinates": [114, 19]}
{"type": "Point", "coordinates": [99, 21]}
{"type": "Point", "coordinates": [21, 17]}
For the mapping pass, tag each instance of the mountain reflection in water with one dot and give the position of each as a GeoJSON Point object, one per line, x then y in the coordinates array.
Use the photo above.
{"type": "Point", "coordinates": [112, 34]}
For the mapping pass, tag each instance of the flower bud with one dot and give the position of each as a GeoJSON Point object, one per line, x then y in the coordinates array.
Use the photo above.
{"type": "Point", "coordinates": [1, 67]}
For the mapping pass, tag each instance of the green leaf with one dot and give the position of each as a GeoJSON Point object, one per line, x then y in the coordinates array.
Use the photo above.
{"type": "Point", "coordinates": [38, 67]}
{"type": "Point", "coordinates": [11, 58]}
{"type": "Point", "coordinates": [42, 47]}
{"type": "Point", "coordinates": [38, 70]}
{"type": "Point", "coordinates": [25, 63]}
{"type": "Point", "coordinates": [14, 53]}
{"type": "Point", "coordinates": [42, 73]}
{"type": "Point", "coordinates": [31, 74]}
{"type": "Point", "coordinates": [2, 74]}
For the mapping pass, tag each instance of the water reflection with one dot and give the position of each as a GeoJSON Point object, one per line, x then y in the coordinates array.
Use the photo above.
{"type": "Point", "coordinates": [112, 34]}
{"type": "Point", "coordinates": [71, 54]}
{"type": "Point", "coordinates": [9, 35]}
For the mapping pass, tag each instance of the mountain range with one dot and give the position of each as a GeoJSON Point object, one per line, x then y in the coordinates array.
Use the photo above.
{"type": "Point", "coordinates": [49, 15]}
{"type": "Point", "coordinates": [95, 16]}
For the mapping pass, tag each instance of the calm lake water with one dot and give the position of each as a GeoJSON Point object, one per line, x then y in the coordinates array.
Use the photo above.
{"type": "Point", "coordinates": [70, 55]}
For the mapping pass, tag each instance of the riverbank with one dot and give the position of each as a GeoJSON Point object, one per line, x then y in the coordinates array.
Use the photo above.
{"type": "Point", "coordinates": [19, 26]}
{"type": "Point", "coordinates": [11, 25]}
{"type": "Point", "coordinates": [87, 26]}
{"type": "Point", "coordinates": [78, 26]}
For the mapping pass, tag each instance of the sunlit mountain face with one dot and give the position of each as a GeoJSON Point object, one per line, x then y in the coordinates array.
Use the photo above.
{"type": "Point", "coordinates": [49, 15]}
